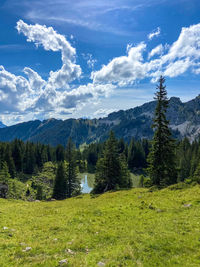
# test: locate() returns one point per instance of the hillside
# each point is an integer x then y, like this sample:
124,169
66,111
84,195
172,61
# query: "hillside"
184,121
2,125
124,228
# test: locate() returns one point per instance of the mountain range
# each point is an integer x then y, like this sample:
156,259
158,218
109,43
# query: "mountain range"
135,122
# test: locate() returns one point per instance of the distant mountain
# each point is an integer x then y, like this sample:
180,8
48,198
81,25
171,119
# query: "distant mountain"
2,125
184,121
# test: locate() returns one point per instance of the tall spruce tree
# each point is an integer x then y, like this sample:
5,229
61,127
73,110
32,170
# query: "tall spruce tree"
111,170
73,183
60,187
161,159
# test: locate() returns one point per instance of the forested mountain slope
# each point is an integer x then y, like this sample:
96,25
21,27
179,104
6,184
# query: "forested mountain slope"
184,121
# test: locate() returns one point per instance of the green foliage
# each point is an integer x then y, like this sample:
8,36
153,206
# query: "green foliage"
141,181
147,182
43,182
72,181
161,159
4,173
136,155
16,190
60,190
111,170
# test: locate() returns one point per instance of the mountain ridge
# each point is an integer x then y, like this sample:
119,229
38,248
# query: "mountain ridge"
2,125
135,122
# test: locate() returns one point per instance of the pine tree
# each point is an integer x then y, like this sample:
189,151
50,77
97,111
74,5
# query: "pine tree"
9,160
4,179
111,170
60,153
17,155
125,181
60,187
161,159
73,183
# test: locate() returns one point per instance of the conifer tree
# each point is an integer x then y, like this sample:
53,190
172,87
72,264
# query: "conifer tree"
9,160
60,153
17,155
4,178
59,190
111,171
161,159
73,183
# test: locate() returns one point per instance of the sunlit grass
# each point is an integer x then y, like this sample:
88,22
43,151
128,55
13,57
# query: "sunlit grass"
125,228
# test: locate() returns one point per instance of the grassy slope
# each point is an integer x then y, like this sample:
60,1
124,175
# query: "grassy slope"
124,228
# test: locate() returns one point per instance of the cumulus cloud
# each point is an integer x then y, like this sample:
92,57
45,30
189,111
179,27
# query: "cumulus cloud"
155,33
32,94
123,70
13,92
172,60
158,50
52,41
35,81
47,37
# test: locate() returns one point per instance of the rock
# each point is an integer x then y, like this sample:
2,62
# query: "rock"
37,200
63,262
69,251
151,207
159,210
101,264
27,249
187,205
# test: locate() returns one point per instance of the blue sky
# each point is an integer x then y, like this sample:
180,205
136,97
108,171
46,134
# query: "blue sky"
81,58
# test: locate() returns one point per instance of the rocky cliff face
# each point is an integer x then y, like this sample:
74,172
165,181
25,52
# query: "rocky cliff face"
136,122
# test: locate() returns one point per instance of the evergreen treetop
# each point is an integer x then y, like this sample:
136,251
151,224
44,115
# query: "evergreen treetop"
161,159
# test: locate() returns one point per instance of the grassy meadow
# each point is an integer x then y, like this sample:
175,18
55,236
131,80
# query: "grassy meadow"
125,228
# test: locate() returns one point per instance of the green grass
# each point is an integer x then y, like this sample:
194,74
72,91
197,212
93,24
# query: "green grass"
125,228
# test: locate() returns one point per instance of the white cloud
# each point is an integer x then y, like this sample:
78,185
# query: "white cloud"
158,50
48,38
33,95
35,81
13,90
177,68
51,40
155,33
171,61
187,45
103,112
123,70
90,60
